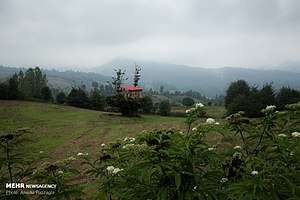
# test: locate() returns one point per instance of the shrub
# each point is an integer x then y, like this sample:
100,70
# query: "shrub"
188,101
164,108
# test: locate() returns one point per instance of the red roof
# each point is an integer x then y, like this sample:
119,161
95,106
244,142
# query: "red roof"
132,88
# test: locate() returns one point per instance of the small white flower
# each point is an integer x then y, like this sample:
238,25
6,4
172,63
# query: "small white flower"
103,144
292,153
223,180
60,172
296,134
210,121
195,187
71,158
181,132
194,129
217,123
199,105
210,149
110,169
282,135
129,139
254,173
41,152
237,147
117,170
269,109
82,154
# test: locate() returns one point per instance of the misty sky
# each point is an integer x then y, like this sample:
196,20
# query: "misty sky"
211,33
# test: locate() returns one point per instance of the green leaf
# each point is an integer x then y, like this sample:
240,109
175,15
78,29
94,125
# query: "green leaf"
177,180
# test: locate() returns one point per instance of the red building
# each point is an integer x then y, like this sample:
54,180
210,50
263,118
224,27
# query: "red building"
132,92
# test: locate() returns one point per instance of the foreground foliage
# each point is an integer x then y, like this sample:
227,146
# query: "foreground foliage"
262,161
175,164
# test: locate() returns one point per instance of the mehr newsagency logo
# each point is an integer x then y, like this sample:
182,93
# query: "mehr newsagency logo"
23,188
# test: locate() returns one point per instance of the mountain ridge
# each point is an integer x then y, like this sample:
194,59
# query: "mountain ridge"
208,82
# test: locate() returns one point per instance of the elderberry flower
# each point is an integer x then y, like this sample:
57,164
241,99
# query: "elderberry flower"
129,139
210,121
282,135
254,173
110,169
296,134
199,105
117,170
223,180
269,109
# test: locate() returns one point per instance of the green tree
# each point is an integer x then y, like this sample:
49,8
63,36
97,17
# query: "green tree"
165,108
78,98
146,104
236,96
118,80
188,101
285,96
46,94
98,101
137,75
61,98
127,107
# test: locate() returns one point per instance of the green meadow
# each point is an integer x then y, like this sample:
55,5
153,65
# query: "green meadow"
62,131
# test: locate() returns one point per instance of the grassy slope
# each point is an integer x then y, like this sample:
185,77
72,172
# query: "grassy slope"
63,131
55,127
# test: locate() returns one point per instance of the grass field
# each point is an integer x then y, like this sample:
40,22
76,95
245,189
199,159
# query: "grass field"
63,131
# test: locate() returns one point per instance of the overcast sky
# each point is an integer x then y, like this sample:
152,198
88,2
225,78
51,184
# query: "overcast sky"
206,33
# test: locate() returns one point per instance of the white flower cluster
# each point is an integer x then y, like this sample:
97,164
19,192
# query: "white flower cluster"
82,154
296,134
103,144
269,109
223,180
129,139
113,170
190,110
210,149
282,135
210,121
237,147
199,105
60,172
254,173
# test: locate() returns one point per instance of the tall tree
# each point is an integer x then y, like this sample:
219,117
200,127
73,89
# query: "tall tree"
118,80
137,75
236,96
285,96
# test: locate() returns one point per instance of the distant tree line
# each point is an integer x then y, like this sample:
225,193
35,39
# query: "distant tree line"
241,97
31,85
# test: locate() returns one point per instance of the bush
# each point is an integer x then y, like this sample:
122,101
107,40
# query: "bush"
127,107
78,98
61,98
164,108
173,164
188,101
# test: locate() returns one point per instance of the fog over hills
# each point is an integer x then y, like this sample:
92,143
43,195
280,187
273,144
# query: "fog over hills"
207,81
